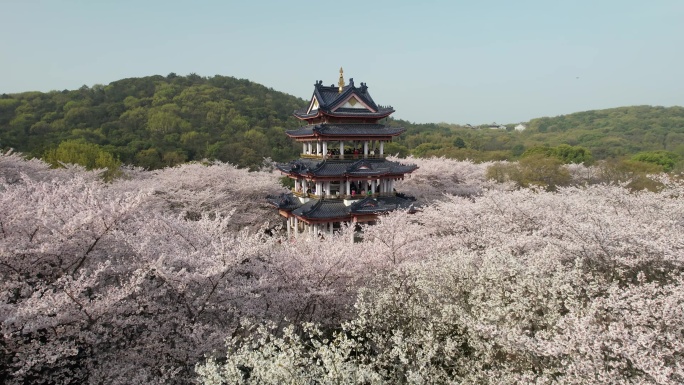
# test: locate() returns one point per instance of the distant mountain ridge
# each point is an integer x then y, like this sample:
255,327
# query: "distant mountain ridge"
159,121
610,133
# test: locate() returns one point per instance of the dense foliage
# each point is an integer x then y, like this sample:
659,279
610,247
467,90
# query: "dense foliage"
140,279
155,121
611,133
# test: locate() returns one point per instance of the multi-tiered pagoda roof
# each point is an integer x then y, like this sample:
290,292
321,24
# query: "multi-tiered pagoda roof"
342,175
343,101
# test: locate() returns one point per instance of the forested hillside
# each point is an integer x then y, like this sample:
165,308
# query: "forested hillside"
154,121
611,133
158,121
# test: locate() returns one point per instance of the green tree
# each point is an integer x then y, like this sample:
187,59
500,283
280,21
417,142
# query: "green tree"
394,148
503,172
634,173
517,150
149,159
533,170
565,153
196,143
459,143
89,155
166,119
573,154
544,171
665,159
173,158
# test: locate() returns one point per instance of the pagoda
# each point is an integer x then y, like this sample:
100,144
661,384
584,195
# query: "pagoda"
342,177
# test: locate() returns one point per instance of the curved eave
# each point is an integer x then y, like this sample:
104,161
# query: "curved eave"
360,114
300,135
285,167
381,205
284,202
343,137
303,115
346,175
352,132
326,170
342,218
366,173
374,132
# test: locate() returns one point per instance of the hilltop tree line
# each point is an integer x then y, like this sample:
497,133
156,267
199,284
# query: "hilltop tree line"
157,121
611,133
152,122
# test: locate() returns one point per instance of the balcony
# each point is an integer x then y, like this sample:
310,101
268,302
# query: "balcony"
340,196
342,157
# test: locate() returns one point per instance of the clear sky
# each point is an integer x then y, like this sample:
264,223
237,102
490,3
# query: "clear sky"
433,61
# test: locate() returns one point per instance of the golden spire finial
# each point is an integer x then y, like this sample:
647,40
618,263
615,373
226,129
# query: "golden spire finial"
341,82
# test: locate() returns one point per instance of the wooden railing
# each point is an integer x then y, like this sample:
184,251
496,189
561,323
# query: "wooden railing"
341,196
345,156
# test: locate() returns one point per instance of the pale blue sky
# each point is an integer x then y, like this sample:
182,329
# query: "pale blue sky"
433,61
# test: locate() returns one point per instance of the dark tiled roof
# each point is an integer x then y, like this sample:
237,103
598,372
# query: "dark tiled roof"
322,209
285,201
336,209
302,131
341,168
380,113
381,205
326,95
330,98
346,130
350,112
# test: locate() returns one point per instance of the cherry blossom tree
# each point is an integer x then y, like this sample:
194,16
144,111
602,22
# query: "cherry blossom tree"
478,317
143,278
578,286
135,280
436,177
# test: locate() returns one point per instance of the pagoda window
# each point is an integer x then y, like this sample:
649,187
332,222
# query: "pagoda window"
304,148
341,149
318,147
325,149
382,147
365,149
